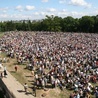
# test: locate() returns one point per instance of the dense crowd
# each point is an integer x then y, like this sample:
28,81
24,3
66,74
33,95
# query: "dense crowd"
66,60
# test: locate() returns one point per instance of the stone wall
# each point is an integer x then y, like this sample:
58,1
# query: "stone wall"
4,92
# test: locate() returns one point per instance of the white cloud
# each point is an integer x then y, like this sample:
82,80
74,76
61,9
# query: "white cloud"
79,3
36,13
23,16
51,9
4,10
62,14
95,12
28,7
45,0
43,13
64,10
3,15
19,8
39,15
78,14
62,1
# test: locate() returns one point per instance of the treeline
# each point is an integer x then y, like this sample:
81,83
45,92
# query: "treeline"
54,23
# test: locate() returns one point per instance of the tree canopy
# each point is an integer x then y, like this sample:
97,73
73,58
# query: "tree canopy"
54,23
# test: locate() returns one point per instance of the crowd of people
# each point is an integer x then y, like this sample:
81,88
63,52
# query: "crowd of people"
65,60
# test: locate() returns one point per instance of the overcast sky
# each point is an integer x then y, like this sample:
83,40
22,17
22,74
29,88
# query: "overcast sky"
38,9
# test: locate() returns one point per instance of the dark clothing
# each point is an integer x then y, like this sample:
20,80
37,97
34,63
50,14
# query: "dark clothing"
5,73
96,94
34,91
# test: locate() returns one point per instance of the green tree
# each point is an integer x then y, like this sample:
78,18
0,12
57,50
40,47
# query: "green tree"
96,23
10,26
86,24
68,24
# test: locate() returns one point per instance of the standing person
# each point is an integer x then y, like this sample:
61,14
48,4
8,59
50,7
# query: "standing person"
32,72
96,93
25,87
5,72
1,70
1,75
34,90
16,67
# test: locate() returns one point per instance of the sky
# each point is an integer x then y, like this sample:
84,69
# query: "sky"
38,9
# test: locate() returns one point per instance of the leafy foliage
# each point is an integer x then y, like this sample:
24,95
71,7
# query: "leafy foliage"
54,23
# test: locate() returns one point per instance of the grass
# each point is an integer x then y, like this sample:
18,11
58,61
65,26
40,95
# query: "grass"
1,34
20,75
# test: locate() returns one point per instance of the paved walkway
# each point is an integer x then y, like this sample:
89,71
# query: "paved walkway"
15,87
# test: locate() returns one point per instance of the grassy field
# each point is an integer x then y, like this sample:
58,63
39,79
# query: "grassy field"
1,34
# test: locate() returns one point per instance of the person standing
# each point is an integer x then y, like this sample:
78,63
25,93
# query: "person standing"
25,87
96,93
16,67
1,70
34,90
5,72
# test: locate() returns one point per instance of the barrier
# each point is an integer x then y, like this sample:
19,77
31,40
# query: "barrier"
4,91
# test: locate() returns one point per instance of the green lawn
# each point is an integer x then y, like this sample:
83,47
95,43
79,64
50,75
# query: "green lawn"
1,34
